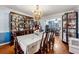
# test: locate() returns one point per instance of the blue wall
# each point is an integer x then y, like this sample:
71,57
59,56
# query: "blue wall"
5,37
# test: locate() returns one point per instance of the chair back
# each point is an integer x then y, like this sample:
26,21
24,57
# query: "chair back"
42,43
45,42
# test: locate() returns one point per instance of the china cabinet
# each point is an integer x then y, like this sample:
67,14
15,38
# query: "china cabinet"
20,24
69,26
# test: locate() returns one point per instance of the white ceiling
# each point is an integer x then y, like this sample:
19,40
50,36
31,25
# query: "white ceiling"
46,9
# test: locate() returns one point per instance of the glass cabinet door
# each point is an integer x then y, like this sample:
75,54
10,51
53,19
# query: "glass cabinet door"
64,27
72,25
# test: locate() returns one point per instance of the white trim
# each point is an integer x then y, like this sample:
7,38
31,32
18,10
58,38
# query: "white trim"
4,43
4,31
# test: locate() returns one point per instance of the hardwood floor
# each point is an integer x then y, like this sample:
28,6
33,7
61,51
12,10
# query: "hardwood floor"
59,48
6,49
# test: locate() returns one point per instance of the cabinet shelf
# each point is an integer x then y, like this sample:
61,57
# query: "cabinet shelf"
18,22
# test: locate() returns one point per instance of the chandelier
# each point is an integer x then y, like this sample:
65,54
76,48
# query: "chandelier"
37,13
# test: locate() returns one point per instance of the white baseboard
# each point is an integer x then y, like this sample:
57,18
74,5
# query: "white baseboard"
4,43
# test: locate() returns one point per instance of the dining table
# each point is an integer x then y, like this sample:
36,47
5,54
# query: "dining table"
30,43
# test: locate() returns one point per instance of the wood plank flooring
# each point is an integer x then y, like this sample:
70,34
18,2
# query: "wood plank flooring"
59,48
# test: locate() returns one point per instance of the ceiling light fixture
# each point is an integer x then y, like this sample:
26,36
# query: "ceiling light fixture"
37,13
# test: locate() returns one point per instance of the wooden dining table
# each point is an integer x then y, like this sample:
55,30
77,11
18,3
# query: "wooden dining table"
30,43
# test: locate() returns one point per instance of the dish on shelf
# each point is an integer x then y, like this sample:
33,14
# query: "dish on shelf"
72,15
72,33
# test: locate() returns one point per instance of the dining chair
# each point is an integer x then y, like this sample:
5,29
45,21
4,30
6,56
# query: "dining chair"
42,43
14,42
51,42
13,37
45,43
18,49
48,41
